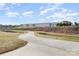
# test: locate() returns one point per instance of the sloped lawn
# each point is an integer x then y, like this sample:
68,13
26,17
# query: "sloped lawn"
9,41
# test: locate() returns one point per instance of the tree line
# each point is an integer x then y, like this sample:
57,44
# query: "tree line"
67,23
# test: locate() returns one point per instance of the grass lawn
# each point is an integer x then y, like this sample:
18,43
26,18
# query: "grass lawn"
68,37
16,31
9,41
19,31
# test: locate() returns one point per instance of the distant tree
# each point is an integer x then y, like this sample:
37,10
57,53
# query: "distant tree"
64,23
50,26
33,25
76,23
58,24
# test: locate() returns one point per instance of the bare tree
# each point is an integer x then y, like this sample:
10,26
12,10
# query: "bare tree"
50,26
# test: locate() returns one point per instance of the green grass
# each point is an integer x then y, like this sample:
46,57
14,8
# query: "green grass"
68,37
9,41
19,31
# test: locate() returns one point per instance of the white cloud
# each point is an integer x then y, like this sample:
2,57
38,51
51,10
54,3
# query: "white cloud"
7,9
12,14
58,4
44,11
57,13
51,8
27,13
16,4
63,16
41,7
2,6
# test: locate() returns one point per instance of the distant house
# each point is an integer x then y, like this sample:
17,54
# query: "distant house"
37,25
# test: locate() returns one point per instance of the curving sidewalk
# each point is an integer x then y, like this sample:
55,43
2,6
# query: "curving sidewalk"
39,46
65,45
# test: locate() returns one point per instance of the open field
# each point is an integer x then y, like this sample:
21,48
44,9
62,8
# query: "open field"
9,41
74,38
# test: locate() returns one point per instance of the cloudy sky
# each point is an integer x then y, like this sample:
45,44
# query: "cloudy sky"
38,13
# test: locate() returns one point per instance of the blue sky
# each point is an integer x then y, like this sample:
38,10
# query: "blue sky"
23,13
